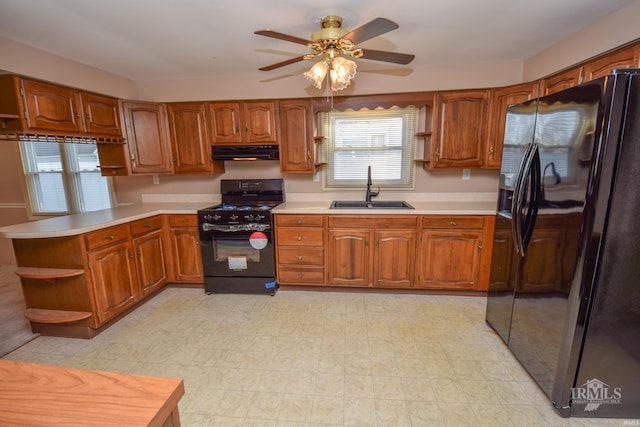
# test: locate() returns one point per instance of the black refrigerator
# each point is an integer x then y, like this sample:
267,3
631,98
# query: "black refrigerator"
564,288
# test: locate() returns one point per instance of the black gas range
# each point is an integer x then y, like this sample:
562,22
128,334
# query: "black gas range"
236,237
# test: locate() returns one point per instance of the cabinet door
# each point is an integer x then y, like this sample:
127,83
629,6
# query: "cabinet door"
225,123
297,151
51,107
260,123
187,259
500,100
394,258
114,279
625,58
349,257
101,114
562,81
459,129
150,266
450,259
147,137
190,140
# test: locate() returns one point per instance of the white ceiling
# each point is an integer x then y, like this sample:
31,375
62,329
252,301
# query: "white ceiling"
183,39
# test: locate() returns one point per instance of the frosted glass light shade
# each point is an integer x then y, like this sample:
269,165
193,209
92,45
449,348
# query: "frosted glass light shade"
317,73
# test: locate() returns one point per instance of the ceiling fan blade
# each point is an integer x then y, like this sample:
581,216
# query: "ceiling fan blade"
381,55
370,30
282,36
282,64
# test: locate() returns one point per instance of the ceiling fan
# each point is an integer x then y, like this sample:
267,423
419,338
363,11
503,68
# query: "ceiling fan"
331,41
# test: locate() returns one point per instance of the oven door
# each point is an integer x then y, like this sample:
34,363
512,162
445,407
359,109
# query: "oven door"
230,251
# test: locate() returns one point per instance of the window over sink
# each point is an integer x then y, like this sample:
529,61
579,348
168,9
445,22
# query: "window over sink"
381,138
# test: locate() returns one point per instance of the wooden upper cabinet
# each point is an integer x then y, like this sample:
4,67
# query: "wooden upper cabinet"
224,119
190,144
101,114
624,58
50,107
297,148
147,136
459,129
500,100
561,81
234,123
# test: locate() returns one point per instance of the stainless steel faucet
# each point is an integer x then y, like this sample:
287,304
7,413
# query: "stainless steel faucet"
370,193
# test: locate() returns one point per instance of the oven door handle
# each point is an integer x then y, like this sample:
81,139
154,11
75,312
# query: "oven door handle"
232,228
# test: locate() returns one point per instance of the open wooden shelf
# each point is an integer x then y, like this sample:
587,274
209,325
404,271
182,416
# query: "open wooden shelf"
41,315
47,273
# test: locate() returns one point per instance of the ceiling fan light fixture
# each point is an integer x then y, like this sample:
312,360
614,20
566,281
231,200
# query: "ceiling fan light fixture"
342,71
317,73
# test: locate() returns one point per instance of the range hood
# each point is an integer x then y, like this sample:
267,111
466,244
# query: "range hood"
245,152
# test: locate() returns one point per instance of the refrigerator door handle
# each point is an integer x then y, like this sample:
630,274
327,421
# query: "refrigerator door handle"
516,203
534,198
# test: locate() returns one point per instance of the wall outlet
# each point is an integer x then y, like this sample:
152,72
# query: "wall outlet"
466,174
316,176
156,179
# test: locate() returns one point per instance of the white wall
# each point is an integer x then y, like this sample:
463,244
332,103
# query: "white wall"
615,30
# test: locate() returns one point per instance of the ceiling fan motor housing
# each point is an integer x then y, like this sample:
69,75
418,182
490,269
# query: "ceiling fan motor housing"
331,29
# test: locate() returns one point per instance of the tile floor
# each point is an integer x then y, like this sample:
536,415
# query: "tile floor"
318,359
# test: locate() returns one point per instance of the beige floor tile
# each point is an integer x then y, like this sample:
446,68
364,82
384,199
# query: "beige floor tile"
318,359
360,412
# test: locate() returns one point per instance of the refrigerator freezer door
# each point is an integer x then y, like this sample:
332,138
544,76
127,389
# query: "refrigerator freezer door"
564,135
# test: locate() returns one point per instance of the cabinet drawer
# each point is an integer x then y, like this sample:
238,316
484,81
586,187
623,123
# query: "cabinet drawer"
106,236
299,236
301,275
300,220
145,225
309,256
453,222
396,222
183,220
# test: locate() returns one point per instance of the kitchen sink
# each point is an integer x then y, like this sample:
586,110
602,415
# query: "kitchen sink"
378,204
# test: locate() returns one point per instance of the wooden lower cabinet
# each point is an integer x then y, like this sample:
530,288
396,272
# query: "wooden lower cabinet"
451,254
184,243
149,252
300,249
373,250
114,278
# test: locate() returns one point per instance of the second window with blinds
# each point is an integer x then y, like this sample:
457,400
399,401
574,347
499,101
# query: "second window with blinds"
381,138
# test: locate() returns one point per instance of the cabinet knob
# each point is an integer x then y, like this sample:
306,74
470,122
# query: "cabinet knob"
300,274
298,221
480,246
149,225
453,223
299,238
111,236
300,257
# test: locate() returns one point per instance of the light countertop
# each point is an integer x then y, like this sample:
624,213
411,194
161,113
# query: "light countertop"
420,208
71,225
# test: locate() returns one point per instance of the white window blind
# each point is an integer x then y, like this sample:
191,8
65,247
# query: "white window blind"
382,138
64,178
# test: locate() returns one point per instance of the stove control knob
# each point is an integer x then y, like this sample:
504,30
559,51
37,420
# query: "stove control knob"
259,217
214,217
248,217
233,217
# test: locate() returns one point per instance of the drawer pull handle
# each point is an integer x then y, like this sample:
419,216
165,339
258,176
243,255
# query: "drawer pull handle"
453,223
299,238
